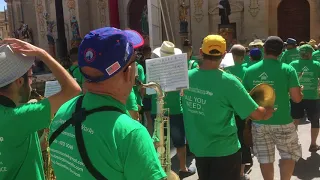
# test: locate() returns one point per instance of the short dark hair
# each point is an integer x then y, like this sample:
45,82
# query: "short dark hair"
210,57
6,87
273,46
146,49
272,52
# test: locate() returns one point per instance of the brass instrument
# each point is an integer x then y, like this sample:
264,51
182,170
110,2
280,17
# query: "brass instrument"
264,95
162,123
44,144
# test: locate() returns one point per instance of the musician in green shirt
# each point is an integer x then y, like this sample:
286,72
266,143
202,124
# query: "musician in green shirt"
310,103
118,147
292,52
238,53
20,152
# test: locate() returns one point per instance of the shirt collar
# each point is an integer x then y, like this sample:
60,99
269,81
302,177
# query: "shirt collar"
5,101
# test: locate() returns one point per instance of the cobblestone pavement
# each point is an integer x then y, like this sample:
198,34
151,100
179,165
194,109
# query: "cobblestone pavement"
308,167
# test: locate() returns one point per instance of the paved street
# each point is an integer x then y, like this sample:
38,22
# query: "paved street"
308,167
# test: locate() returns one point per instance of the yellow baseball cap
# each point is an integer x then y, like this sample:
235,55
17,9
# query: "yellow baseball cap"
214,42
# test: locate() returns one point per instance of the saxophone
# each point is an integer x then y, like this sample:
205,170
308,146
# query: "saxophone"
162,139
45,150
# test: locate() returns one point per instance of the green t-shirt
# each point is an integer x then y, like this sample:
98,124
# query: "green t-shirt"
171,101
131,103
192,64
74,70
141,77
309,79
20,151
208,111
250,63
316,55
238,70
290,55
119,147
281,77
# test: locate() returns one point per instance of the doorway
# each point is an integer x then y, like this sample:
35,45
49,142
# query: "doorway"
136,15
294,20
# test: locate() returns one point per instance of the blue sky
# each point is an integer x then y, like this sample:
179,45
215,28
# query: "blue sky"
2,4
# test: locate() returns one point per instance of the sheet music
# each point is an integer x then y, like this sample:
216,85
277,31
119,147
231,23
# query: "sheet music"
170,72
227,61
51,88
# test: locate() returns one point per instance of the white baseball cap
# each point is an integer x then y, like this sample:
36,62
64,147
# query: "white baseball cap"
12,65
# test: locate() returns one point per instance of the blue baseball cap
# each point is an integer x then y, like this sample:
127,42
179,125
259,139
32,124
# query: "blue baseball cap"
108,50
255,52
291,41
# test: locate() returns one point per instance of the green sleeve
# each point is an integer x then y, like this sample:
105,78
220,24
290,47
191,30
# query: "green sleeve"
293,78
20,122
240,99
139,157
132,102
195,65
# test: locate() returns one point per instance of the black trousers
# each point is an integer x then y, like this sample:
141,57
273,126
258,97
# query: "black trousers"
219,168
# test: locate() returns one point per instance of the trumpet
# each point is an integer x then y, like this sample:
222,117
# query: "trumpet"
44,138
162,123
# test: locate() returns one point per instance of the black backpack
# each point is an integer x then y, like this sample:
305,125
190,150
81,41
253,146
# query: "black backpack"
78,117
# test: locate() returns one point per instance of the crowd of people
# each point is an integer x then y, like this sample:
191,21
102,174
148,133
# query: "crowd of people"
101,122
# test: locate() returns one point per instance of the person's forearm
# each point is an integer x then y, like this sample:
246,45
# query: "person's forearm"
67,83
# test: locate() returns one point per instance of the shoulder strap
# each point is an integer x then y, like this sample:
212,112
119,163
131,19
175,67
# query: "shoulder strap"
78,117
71,71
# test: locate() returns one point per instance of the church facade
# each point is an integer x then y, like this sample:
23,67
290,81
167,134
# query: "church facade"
253,19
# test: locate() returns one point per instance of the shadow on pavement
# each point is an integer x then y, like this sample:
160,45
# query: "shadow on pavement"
308,169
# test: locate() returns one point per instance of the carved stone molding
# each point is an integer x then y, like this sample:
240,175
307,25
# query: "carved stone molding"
102,7
198,12
235,7
254,8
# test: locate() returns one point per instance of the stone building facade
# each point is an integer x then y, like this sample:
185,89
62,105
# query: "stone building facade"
4,26
254,18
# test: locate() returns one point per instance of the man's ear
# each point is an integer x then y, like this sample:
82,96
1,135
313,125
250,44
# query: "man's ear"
200,51
19,82
128,73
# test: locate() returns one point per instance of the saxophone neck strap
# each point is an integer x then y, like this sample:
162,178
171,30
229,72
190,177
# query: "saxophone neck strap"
78,117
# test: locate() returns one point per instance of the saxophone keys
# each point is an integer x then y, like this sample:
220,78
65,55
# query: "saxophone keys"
161,150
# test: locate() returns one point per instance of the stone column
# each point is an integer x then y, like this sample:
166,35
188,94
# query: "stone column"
10,18
40,7
199,22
